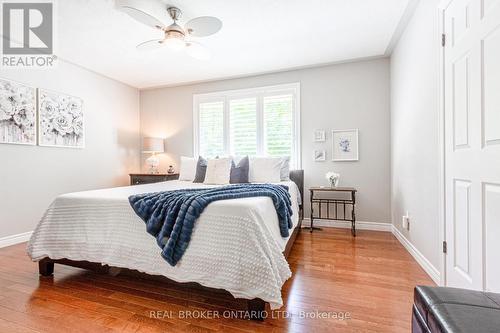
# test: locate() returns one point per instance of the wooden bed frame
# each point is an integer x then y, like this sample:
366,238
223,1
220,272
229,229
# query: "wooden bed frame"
256,307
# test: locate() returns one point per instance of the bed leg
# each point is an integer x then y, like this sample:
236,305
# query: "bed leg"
257,309
46,267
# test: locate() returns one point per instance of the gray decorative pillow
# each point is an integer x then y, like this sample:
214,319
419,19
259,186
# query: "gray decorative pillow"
201,170
239,173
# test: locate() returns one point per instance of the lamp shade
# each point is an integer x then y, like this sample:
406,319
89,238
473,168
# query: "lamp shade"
153,145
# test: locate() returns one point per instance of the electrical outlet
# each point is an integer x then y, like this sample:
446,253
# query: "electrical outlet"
405,223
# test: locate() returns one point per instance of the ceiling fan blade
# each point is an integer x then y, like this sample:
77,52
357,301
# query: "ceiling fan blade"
150,45
146,12
203,26
197,51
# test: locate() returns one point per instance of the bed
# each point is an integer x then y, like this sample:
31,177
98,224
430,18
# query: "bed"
236,244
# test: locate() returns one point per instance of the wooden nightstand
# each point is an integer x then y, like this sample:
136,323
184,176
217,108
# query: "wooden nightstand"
148,178
328,208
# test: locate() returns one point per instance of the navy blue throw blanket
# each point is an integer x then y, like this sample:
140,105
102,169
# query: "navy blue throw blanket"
170,215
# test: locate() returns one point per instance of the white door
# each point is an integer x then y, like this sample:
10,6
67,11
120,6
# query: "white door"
472,143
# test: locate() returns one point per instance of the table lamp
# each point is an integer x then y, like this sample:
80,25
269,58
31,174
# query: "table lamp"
153,146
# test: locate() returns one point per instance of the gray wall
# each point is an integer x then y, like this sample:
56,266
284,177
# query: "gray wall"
415,121
31,176
344,96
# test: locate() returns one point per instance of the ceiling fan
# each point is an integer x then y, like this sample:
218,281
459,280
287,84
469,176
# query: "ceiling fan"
175,36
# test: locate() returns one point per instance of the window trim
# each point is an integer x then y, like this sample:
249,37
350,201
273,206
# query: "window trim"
259,93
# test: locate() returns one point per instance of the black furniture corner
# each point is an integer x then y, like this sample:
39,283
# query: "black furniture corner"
443,309
148,178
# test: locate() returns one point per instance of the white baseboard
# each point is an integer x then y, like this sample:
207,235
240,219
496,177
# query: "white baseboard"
15,239
361,225
432,271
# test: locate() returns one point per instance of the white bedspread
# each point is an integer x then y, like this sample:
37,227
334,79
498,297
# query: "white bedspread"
236,244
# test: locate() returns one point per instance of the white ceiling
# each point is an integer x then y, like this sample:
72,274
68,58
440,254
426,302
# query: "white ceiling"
257,36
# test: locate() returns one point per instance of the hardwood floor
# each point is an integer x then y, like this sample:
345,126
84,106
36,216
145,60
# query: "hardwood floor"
369,280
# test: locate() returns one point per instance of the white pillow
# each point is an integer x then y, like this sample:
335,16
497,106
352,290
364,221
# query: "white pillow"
187,171
265,169
218,171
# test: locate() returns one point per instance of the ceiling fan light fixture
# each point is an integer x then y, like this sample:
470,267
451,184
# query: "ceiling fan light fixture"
174,35
174,43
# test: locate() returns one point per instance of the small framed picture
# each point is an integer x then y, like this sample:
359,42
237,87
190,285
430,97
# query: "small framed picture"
345,145
319,136
319,155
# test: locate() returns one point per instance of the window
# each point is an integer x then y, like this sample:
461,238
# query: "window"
261,121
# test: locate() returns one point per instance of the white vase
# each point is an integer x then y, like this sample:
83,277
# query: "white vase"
334,182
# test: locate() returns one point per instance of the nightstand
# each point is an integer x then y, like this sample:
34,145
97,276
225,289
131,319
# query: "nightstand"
333,208
148,178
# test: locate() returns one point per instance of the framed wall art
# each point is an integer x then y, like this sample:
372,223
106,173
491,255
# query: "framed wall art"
17,113
345,145
319,155
60,120
319,136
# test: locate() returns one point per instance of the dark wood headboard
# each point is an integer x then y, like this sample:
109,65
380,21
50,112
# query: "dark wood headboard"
297,176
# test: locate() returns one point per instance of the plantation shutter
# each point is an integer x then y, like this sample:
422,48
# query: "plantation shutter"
261,121
278,125
211,129
243,126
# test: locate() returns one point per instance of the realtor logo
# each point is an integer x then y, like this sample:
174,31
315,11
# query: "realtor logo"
28,34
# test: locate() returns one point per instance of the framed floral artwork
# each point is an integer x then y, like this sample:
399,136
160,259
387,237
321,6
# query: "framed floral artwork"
345,145
60,120
17,113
